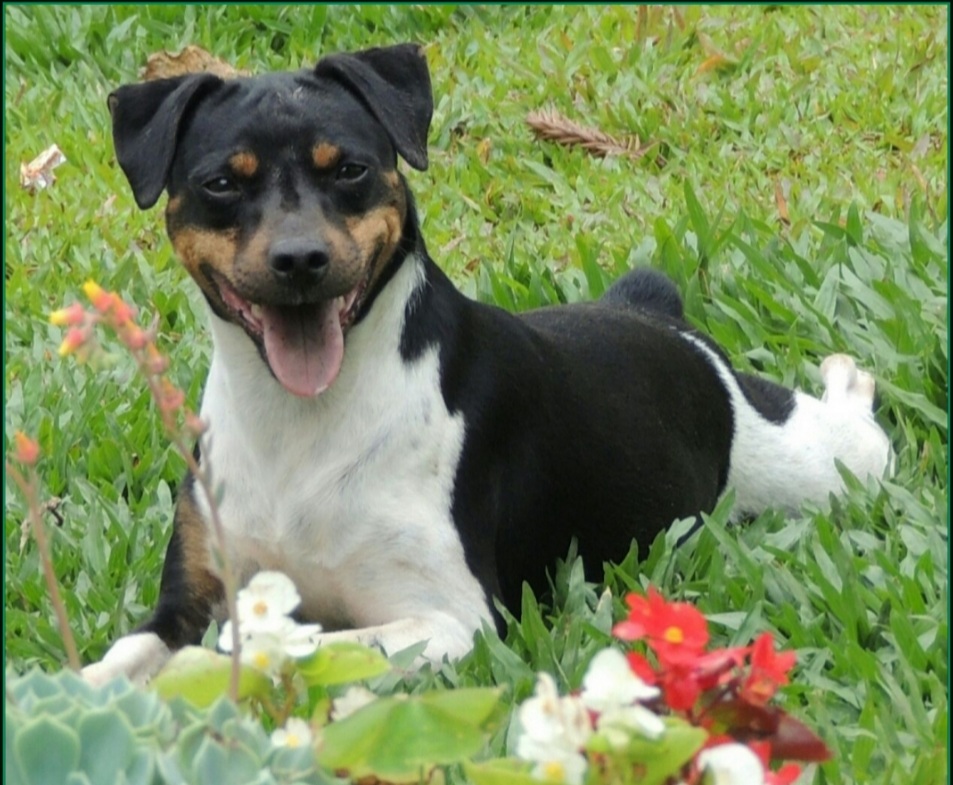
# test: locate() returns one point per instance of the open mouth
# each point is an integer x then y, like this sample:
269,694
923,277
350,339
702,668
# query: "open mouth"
303,344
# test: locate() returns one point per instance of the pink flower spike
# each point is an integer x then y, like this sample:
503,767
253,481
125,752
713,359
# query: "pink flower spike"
171,399
195,424
134,337
75,338
122,312
27,450
156,363
71,316
101,299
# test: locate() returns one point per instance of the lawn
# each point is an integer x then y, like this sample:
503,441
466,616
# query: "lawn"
792,179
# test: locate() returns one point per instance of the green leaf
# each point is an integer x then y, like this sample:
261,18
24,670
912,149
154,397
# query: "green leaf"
504,771
213,762
202,676
339,663
699,222
663,758
855,230
47,752
397,738
107,744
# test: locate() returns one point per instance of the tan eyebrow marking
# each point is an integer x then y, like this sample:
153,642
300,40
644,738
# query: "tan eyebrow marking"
325,155
244,164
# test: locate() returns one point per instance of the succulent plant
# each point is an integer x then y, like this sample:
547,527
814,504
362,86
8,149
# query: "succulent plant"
58,730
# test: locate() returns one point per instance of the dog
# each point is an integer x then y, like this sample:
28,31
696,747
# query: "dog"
403,453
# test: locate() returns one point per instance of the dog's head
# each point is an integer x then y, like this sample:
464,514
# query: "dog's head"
285,203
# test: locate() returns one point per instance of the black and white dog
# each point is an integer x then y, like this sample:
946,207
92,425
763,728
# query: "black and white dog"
403,453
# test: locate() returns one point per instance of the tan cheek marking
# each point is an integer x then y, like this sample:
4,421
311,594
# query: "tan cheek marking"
341,251
174,205
392,179
197,247
243,164
325,155
377,234
203,586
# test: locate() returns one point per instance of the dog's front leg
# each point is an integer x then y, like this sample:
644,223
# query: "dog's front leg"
187,595
445,636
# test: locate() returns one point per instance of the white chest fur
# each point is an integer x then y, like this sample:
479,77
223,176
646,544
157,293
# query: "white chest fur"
348,493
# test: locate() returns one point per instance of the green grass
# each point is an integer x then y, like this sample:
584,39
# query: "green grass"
840,111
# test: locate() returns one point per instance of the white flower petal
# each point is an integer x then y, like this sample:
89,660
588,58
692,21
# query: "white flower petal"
551,725
618,724
300,640
731,764
569,768
295,733
268,596
610,682
264,652
225,638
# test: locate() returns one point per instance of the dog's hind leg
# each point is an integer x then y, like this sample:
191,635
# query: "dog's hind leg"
647,289
786,444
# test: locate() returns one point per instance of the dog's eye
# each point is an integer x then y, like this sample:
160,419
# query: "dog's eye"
351,173
220,187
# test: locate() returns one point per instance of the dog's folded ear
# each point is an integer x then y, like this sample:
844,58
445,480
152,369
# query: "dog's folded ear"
146,119
393,83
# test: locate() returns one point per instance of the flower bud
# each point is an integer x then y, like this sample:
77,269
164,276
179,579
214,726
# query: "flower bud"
27,450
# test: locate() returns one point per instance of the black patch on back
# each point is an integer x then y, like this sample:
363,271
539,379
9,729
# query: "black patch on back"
772,401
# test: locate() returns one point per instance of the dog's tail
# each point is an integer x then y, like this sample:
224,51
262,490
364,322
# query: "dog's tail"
647,289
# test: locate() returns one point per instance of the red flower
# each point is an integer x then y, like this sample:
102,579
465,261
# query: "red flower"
787,774
642,668
676,631
768,671
680,687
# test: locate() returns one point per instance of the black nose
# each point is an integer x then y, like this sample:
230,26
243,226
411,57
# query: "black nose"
304,260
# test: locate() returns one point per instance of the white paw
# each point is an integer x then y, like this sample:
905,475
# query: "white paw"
138,657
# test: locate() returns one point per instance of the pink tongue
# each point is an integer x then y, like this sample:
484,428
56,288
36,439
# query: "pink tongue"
304,346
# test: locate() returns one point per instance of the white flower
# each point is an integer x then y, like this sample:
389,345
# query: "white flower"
268,635
352,700
618,724
569,767
295,640
262,651
268,598
610,683
612,690
731,764
555,729
296,733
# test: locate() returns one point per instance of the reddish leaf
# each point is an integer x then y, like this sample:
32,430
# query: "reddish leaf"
793,740
789,738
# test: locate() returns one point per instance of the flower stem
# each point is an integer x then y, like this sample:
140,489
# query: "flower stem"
29,489
201,475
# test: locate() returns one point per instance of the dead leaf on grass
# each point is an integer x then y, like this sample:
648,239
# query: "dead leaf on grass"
554,127
38,174
191,60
